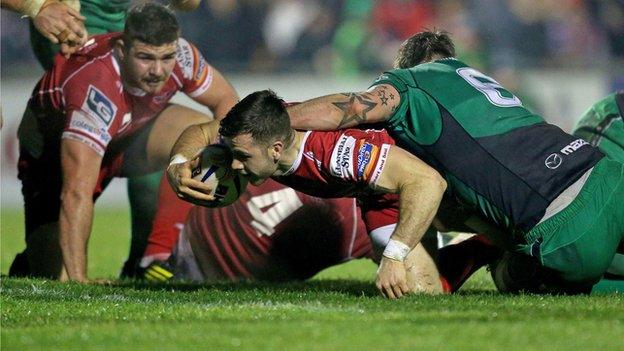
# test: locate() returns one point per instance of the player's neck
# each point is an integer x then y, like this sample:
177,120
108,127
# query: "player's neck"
291,153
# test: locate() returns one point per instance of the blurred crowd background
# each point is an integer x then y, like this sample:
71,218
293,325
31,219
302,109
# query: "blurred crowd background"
348,37
559,56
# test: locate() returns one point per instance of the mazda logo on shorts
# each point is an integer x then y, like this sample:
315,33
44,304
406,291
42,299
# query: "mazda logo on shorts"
553,161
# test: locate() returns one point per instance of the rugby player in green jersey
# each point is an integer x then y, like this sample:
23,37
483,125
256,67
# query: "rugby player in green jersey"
553,196
603,126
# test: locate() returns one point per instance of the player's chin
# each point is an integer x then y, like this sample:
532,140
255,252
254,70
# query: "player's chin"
153,87
255,180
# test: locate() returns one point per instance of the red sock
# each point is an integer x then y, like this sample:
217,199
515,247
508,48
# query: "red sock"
168,222
456,263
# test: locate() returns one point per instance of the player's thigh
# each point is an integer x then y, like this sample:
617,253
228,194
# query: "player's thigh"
171,122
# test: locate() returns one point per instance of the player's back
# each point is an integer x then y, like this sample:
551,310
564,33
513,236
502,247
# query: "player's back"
273,226
495,154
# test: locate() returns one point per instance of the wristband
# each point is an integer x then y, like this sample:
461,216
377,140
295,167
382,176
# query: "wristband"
33,7
396,250
177,159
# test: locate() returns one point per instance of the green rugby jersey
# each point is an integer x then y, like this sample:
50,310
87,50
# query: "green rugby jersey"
603,126
102,16
497,156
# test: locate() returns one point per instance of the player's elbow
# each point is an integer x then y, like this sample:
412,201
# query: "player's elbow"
435,182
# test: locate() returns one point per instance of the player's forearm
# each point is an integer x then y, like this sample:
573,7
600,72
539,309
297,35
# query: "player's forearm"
29,8
75,227
418,203
13,5
329,112
224,106
194,139
345,110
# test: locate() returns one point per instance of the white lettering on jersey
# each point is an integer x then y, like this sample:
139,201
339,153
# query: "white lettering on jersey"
184,56
194,68
89,130
282,204
553,161
381,164
89,142
98,105
573,146
341,163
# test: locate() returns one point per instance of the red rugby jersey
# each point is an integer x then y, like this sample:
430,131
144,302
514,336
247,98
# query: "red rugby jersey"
89,82
346,163
273,223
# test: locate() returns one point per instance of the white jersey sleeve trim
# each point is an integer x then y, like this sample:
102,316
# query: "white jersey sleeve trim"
381,164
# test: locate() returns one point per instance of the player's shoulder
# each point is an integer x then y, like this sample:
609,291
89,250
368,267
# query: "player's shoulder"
188,58
98,45
94,63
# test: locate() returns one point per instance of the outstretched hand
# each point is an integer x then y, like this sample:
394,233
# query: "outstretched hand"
62,25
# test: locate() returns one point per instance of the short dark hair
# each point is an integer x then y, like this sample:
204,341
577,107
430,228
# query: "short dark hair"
422,47
261,114
152,24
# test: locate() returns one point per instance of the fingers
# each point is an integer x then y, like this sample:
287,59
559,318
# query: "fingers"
63,35
75,14
194,195
50,37
68,49
77,29
392,279
393,290
187,188
59,23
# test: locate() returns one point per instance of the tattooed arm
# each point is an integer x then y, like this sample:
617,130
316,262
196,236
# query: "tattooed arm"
345,110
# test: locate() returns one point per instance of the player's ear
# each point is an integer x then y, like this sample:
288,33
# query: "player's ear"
276,150
120,46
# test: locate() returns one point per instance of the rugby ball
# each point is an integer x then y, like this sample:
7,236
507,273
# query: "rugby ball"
226,183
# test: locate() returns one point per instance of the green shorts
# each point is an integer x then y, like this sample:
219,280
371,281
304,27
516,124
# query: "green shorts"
580,241
603,126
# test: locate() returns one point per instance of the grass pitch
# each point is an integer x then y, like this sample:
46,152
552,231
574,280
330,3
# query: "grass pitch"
338,310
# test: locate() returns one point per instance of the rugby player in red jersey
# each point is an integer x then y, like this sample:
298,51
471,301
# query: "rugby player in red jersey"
271,233
102,113
348,163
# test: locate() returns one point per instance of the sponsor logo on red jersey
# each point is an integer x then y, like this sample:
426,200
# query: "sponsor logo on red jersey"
98,105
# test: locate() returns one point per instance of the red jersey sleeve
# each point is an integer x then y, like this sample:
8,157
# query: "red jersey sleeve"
360,155
196,72
93,106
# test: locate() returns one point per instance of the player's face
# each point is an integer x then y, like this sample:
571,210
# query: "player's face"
148,67
251,159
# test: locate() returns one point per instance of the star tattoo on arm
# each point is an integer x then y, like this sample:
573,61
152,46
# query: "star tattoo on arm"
382,96
350,108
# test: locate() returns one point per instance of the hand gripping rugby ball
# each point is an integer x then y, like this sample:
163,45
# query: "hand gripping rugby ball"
226,183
